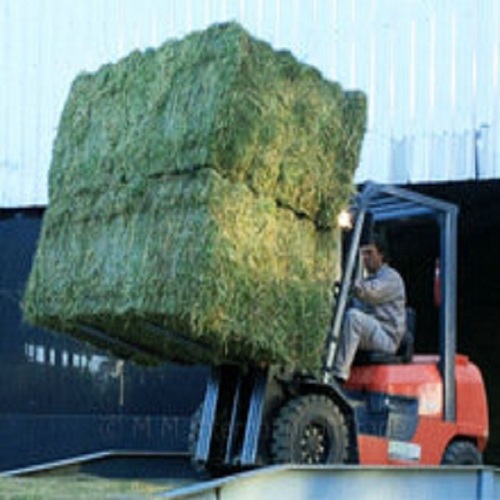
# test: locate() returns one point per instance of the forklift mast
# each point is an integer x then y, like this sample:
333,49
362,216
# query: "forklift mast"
381,203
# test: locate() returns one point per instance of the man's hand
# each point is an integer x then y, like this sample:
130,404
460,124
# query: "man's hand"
356,288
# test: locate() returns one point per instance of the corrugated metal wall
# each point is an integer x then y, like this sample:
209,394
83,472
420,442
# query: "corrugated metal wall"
436,96
430,68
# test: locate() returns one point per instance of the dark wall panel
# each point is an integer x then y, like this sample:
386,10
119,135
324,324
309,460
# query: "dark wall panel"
478,293
59,397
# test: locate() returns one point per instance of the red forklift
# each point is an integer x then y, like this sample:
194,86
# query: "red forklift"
396,409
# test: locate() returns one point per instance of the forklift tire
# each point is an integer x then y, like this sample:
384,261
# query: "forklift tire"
462,453
310,429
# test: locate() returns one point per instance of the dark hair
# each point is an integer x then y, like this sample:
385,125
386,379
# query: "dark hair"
380,244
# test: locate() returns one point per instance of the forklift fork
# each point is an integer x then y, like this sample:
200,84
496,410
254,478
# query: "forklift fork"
231,417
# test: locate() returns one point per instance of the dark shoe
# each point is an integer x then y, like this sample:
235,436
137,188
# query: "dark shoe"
338,383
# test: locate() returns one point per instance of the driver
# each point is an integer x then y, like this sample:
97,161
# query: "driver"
377,320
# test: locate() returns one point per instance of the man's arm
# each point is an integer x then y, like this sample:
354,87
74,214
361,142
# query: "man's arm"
384,287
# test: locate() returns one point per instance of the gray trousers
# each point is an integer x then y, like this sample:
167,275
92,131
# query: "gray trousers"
359,331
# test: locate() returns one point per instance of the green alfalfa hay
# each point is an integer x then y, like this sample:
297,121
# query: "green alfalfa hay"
197,254
217,98
271,128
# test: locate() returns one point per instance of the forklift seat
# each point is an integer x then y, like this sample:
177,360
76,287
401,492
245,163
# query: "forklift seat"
402,355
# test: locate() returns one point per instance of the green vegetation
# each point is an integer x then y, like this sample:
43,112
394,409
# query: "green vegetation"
195,187
81,487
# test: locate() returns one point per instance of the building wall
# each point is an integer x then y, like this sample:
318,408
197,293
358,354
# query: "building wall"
430,69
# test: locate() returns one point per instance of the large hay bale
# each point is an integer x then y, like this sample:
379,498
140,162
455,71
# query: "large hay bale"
217,98
193,189
199,255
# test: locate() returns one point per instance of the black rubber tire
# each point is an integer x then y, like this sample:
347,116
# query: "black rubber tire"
310,429
462,453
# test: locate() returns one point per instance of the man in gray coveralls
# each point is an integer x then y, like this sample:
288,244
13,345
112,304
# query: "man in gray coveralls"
377,320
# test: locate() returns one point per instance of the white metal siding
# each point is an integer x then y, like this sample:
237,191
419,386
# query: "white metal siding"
433,90
430,69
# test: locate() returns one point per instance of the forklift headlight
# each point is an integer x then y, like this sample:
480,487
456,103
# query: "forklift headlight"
344,219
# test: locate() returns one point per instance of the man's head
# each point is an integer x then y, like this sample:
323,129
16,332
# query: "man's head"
373,254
